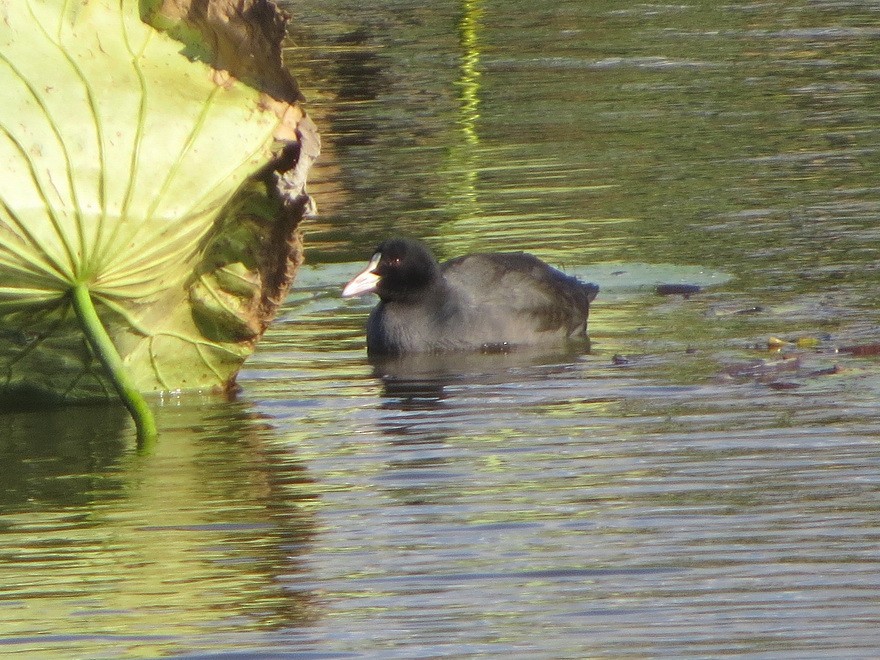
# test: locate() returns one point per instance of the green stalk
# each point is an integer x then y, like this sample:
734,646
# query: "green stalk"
103,347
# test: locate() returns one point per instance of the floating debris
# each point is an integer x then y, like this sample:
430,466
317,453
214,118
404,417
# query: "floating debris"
861,350
686,290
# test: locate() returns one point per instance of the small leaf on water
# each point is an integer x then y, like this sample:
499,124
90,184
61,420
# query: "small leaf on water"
830,371
763,368
861,350
783,385
686,290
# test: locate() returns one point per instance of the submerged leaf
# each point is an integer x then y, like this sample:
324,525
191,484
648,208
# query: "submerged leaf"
165,185
663,279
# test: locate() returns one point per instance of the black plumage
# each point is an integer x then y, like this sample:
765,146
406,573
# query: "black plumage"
484,301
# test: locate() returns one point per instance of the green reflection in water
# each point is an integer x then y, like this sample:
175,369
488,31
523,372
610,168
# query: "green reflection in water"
469,80
462,167
108,549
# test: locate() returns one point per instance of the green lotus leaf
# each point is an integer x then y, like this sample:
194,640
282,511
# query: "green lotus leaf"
156,175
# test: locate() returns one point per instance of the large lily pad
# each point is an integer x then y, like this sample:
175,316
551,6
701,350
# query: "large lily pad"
163,171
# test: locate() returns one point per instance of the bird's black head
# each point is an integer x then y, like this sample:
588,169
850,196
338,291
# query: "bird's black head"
401,269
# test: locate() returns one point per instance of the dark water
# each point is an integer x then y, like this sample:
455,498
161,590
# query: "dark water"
683,489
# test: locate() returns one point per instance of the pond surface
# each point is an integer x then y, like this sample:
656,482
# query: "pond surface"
690,486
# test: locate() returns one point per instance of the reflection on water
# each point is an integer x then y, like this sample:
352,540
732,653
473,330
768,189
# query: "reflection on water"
685,487
427,376
109,552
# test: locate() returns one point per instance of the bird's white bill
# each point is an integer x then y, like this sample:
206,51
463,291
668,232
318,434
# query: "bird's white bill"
366,282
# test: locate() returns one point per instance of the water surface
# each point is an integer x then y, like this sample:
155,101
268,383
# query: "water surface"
687,487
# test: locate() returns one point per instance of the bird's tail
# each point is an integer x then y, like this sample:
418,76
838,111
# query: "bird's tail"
592,290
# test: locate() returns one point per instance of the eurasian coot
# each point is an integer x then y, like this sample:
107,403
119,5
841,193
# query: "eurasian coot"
488,301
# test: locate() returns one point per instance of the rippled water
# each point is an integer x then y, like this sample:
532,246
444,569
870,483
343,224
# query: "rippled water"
687,487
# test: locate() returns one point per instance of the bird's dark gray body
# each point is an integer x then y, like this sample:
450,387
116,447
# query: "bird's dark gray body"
476,302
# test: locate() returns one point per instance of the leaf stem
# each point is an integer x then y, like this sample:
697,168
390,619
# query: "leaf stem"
102,345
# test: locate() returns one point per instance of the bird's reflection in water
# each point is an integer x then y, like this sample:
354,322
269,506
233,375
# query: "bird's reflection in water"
423,381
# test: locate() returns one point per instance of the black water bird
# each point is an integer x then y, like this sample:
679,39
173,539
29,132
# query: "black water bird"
479,302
